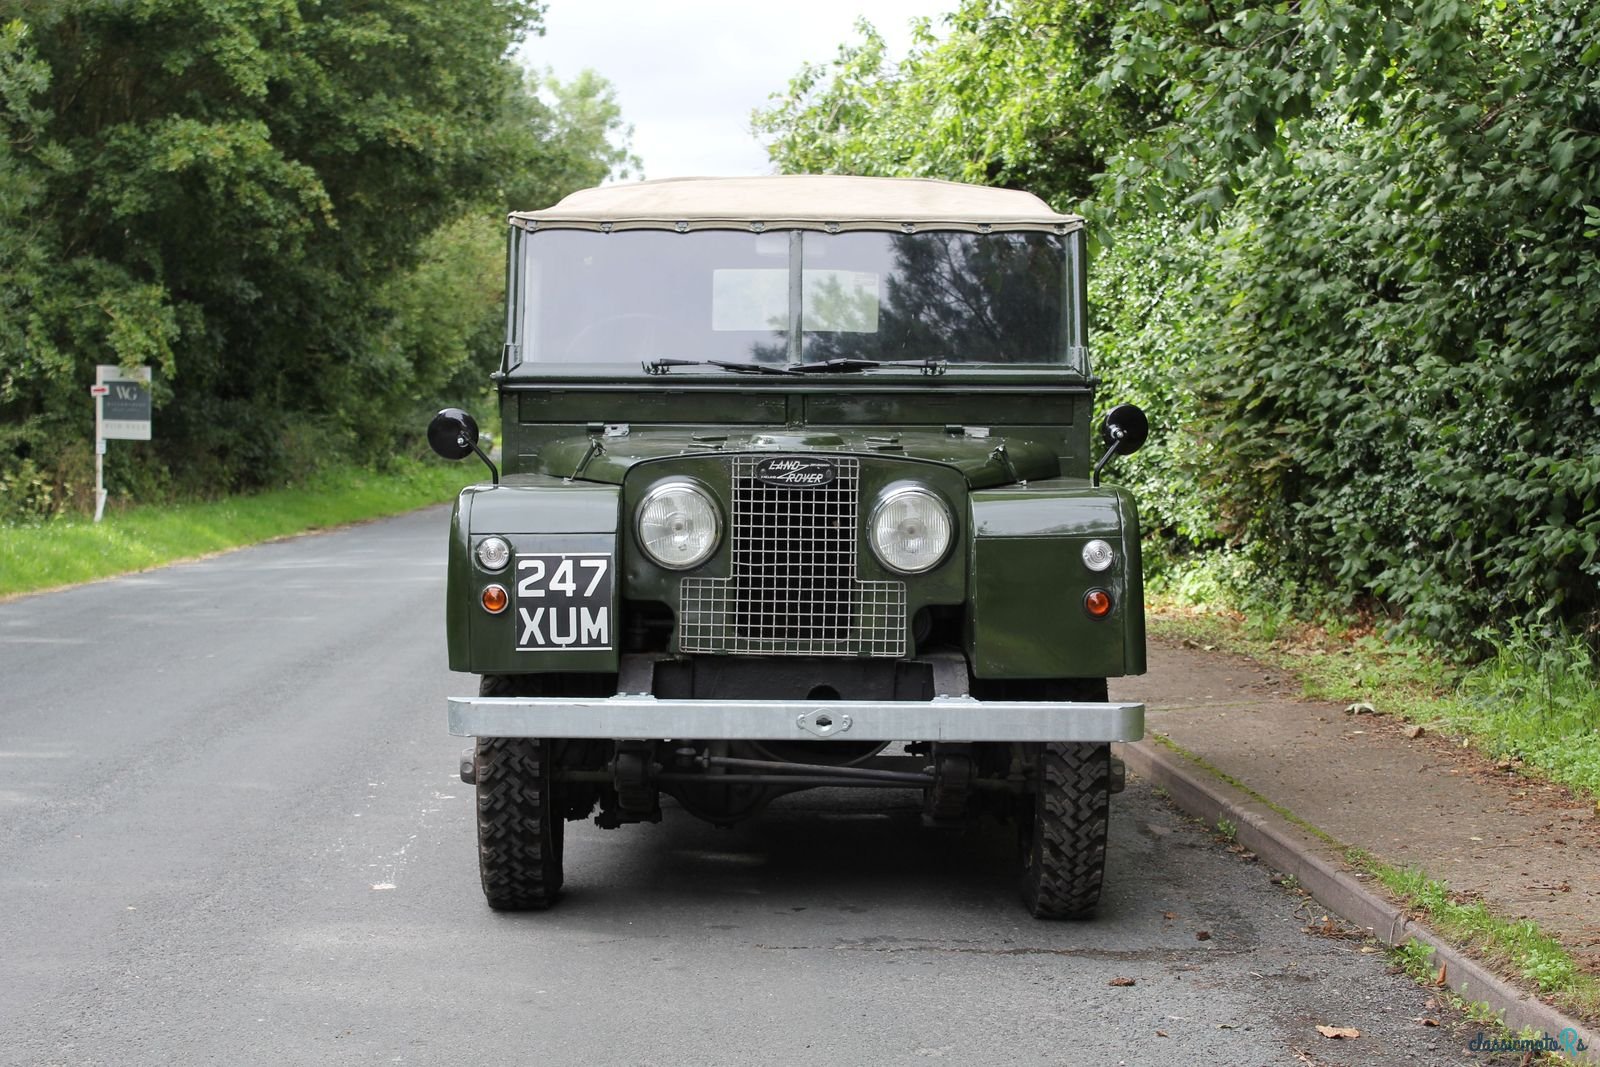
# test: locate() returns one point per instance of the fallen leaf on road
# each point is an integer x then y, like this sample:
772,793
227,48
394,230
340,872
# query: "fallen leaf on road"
1202,935
1161,1033
1428,1022
1121,981
1438,979
1414,732
1169,915
1361,707
1338,1032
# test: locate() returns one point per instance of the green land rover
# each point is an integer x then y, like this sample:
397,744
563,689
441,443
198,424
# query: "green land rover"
800,491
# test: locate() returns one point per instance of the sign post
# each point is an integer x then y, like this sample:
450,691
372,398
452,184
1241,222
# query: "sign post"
121,412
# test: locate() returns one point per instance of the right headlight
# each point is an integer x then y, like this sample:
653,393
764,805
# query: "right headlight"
678,525
910,530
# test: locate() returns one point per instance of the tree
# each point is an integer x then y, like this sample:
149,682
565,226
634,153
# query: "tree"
1005,96
229,191
1347,249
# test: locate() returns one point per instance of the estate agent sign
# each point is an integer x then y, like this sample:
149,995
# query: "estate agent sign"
121,412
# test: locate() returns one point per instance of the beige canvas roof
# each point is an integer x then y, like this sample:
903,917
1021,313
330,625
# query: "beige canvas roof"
809,201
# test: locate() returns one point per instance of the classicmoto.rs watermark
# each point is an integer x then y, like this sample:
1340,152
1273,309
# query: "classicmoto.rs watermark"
1566,1041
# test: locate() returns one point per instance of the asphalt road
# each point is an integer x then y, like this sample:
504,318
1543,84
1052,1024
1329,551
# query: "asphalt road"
231,832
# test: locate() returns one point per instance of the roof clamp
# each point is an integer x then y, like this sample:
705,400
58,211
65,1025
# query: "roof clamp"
757,227
908,227
985,228
605,227
681,227
831,227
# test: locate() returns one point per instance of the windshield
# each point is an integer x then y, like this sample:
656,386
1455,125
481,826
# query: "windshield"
793,296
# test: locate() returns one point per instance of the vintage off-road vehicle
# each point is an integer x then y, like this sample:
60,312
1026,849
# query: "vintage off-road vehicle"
797,469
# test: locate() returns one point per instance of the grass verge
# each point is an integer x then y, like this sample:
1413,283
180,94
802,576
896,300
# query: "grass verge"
1532,706
1519,946
1516,947
61,552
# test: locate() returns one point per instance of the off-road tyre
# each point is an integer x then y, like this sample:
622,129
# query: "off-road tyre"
1063,844
519,818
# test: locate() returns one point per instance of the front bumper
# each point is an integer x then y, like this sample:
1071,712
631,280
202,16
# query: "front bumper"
649,718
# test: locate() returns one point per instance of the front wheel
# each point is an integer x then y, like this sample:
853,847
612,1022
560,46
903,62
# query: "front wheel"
519,824
1063,843
519,819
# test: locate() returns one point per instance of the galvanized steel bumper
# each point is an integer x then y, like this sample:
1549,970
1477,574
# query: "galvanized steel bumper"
649,718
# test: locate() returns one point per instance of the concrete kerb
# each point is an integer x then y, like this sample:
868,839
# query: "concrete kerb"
1285,847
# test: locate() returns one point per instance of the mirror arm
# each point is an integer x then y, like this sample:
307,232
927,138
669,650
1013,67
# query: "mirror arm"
494,472
1116,435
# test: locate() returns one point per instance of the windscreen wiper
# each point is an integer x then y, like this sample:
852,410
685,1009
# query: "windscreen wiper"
843,364
927,366
661,366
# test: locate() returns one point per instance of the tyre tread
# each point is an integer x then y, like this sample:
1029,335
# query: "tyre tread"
519,820
1069,853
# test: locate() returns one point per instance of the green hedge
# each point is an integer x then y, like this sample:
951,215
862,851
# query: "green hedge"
1404,396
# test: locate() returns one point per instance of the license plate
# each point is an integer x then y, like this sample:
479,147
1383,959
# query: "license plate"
564,601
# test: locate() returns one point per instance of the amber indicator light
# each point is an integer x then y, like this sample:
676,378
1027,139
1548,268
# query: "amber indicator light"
495,599
1097,602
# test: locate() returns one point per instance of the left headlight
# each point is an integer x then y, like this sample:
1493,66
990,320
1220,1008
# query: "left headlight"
910,530
678,525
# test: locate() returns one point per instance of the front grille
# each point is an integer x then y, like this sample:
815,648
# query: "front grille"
793,590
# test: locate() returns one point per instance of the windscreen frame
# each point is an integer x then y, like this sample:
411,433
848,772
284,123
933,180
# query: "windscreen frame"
533,254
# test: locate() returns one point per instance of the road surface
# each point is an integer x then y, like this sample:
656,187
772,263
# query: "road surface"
231,831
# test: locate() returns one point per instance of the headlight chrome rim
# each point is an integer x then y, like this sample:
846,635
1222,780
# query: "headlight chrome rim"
655,495
490,549
898,495
1098,555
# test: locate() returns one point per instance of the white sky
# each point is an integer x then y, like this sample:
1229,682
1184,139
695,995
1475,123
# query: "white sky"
689,72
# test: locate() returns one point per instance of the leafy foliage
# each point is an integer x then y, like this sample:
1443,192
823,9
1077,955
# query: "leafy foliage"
1347,259
1410,376
998,97
267,202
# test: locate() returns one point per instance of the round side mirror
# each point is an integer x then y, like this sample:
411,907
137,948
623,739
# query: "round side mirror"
452,433
1126,427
